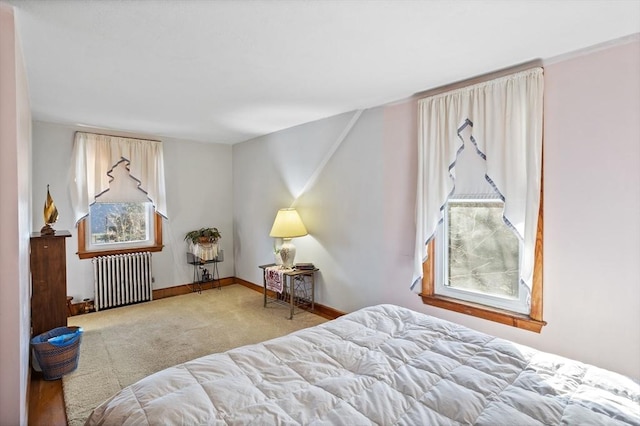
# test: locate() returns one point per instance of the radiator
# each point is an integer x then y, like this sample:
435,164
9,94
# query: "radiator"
122,279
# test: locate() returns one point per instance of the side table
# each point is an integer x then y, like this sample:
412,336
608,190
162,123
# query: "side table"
293,285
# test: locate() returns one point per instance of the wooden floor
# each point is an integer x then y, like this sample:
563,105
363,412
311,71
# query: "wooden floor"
46,402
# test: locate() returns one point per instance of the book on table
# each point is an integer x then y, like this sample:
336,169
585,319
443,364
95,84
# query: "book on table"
304,266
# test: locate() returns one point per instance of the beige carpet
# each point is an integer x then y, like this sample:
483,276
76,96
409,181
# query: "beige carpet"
122,345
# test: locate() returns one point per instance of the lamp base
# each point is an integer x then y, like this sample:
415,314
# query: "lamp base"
287,253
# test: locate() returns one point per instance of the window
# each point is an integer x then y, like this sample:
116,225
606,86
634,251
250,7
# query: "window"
119,225
477,255
152,242
121,220
479,200
479,308
119,194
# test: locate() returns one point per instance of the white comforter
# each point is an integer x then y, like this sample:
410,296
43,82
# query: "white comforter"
381,365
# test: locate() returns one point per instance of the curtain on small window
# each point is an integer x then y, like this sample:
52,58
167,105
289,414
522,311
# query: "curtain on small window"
94,158
502,120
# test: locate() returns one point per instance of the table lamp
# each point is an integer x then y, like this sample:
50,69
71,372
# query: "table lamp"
288,225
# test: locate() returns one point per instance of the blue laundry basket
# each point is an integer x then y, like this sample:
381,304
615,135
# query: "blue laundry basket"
57,351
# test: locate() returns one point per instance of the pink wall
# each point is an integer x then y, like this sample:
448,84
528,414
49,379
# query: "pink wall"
591,211
15,136
592,206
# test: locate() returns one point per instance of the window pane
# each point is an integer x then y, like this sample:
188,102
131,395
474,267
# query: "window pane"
119,222
483,251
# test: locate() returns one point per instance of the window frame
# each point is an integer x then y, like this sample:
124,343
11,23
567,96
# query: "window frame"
85,253
532,322
442,242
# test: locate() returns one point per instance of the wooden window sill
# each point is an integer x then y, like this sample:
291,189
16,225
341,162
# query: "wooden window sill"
504,317
92,254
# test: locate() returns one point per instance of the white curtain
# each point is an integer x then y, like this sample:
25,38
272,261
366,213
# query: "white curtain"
94,158
502,120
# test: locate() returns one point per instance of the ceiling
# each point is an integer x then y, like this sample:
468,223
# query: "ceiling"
228,71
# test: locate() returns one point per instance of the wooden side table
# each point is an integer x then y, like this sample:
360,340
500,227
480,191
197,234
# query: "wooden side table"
292,284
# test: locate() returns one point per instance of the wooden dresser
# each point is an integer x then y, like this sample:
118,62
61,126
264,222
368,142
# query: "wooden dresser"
48,281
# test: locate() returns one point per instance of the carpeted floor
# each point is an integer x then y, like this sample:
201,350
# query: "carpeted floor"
122,345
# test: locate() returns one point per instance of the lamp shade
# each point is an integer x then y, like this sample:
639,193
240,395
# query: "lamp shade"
288,225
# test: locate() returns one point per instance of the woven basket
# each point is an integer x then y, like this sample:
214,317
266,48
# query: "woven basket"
60,358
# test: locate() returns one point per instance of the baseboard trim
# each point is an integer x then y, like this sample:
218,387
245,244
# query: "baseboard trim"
249,284
321,310
160,293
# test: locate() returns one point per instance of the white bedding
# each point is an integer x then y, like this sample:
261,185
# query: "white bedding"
382,365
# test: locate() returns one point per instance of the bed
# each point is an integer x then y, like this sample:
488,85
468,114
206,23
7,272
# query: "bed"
382,365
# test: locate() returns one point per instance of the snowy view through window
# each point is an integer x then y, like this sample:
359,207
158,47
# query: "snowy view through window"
483,251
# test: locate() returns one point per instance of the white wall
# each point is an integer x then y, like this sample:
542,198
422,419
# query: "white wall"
15,149
360,212
269,173
198,185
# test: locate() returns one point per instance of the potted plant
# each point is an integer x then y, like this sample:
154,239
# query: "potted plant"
203,236
203,243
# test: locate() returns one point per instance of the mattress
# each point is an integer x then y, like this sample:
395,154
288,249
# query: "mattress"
381,365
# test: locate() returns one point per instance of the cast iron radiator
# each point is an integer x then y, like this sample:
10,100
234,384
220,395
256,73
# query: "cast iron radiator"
122,279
